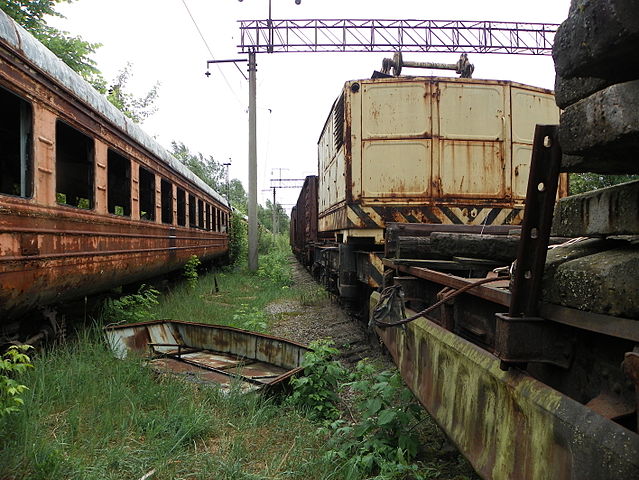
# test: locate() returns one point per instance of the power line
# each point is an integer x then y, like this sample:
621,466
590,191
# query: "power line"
213,56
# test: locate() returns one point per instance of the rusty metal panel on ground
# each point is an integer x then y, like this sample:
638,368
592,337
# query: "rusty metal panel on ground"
210,353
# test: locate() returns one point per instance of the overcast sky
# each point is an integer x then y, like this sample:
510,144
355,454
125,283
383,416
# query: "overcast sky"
294,90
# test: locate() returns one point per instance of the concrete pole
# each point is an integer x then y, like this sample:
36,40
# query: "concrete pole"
252,198
274,213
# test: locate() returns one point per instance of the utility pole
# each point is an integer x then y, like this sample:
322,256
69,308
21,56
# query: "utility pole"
228,184
252,200
275,220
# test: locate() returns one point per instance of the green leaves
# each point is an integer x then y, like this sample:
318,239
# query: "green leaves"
13,363
190,271
316,391
131,308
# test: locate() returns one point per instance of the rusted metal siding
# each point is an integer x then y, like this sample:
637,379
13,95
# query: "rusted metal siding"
443,143
51,252
509,425
304,220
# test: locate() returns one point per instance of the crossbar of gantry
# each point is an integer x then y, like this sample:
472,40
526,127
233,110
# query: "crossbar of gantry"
438,36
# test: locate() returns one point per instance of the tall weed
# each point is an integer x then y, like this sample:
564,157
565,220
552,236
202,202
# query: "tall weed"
131,308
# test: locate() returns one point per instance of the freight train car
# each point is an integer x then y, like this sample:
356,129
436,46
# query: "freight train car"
451,151
528,360
87,200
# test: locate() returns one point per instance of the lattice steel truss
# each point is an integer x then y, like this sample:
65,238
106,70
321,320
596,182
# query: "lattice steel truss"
452,36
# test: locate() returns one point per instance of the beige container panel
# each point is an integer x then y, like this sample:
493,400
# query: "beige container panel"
471,112
396,168
528,109
521,169
340,177
472,168
395,110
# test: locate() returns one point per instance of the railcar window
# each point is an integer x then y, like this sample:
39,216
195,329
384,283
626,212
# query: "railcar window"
73,167
167,201
192,214
147,195
119,184
208,217
181,207
200,213
15,145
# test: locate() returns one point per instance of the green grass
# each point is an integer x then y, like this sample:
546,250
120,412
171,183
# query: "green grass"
90,416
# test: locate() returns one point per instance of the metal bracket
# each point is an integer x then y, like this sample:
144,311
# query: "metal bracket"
531,339
521,336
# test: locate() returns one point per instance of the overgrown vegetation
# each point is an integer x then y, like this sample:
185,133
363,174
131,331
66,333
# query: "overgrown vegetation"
137,307
585,182
274,261
13,363
238,238
379,438
190,271
382,440
315,391
88,415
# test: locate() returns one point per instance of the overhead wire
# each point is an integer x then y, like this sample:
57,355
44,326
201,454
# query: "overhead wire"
206,44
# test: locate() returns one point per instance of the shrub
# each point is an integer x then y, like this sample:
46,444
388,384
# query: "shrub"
131,308
12,363
190,271
316,391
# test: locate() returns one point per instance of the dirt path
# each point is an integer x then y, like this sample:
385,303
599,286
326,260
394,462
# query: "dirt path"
317,316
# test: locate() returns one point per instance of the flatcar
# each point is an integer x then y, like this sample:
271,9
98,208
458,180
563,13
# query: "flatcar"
88,201
435,206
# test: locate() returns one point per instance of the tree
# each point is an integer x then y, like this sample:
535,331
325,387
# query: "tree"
208,169
585,182
137,109
238,196
76,53
72,50
265,216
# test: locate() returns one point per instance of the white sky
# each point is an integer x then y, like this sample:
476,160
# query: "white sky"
294,90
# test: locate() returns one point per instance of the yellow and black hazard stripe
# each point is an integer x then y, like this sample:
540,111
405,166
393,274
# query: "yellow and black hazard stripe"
376,217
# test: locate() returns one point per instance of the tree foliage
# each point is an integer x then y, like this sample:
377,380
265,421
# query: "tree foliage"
265,216
72,50
76,53
208,169
137,109
585,182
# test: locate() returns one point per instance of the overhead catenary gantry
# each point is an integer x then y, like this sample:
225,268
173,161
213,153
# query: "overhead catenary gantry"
436,36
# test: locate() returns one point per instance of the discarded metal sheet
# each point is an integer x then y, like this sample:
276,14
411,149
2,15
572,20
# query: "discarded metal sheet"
214,354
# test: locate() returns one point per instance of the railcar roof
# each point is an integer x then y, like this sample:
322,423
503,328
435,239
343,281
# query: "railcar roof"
19,40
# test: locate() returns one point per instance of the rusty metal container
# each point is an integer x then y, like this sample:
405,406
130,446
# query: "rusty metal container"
428,150
304,221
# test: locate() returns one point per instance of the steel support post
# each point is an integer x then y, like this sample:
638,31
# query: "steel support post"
252,197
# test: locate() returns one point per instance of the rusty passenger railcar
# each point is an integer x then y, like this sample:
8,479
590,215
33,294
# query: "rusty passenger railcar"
87,200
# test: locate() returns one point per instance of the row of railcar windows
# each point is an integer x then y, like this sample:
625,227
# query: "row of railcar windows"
75,173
